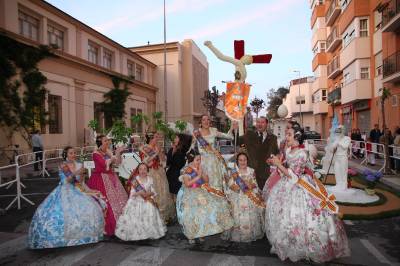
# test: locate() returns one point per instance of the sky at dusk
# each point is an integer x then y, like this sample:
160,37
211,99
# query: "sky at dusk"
280,27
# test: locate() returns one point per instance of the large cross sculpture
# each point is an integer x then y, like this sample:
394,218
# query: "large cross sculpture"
240,59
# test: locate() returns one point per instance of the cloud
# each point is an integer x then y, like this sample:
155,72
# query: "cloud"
139,17
235,21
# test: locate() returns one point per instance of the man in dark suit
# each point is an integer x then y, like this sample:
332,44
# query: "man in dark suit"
259,145
375,134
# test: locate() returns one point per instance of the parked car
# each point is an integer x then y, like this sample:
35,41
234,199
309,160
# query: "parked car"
312,135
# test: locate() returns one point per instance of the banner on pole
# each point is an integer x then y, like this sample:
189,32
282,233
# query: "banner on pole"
237,94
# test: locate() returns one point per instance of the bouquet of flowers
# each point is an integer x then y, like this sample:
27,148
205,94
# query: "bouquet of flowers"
372,179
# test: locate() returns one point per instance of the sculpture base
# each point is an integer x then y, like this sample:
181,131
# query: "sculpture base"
351,195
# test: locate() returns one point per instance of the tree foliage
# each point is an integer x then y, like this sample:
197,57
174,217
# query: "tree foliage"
21,107
211,100
113,105
120,132
181,125
257,105
275,99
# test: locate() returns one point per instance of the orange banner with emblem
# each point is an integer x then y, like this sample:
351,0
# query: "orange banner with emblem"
236,97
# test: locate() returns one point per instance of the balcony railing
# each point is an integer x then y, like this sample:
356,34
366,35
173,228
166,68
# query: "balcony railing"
391,9
333,11
391,64
334,97
333,40
334,67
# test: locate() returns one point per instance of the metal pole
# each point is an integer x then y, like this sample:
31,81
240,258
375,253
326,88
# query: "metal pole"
301,115
18,188
165,67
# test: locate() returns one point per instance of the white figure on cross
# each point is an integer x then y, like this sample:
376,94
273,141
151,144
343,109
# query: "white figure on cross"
240,59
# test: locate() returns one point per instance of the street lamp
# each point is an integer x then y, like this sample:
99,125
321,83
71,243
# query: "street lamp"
301,115
165,68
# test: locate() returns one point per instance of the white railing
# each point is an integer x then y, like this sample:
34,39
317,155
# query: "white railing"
368,149
395,156
371,150
29,159
396,152
9,183
56,154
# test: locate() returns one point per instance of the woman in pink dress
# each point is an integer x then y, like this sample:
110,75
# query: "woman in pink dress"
106,181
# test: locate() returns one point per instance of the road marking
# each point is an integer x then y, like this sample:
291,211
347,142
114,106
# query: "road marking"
379,256
150,256
13,246
348,222
67,259
230,260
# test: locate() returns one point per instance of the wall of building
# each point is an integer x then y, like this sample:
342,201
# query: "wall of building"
70,76
306,108
187,78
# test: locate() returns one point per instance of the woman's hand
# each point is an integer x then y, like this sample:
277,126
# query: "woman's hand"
147,195
274,160
248,184
235,188
235,125
120,149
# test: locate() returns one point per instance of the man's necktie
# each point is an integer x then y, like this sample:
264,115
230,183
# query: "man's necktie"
260,137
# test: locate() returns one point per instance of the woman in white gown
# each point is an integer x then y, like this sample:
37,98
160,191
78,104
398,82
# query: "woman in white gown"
248,207
212,163
140,218
153,155
301,220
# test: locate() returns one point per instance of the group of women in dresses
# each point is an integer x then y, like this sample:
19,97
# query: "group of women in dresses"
295,213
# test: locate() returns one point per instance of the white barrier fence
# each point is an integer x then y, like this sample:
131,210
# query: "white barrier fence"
29,159
368,151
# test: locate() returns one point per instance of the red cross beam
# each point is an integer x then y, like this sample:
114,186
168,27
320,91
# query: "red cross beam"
239,53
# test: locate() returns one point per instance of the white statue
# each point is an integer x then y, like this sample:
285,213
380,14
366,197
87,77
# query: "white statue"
328,162
340,149
240,60
238,63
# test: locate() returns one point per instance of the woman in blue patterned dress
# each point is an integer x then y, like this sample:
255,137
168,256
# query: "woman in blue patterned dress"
68,216
201,209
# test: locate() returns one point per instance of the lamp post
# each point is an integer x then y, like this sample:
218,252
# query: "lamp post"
165,68
301,115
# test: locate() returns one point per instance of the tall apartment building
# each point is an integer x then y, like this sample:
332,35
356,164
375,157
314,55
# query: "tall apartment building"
187,78
319,67
352,53
299,102
390,25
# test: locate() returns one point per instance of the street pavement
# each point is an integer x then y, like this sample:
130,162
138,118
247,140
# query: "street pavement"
372,243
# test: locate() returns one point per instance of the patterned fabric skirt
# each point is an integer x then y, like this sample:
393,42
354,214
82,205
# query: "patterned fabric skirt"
201,213
140,220
111,188
163,197
248,219
67,217
215,170
298,229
